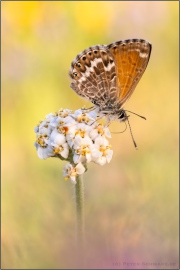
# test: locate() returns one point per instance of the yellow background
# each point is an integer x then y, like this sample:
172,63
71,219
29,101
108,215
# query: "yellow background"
131,204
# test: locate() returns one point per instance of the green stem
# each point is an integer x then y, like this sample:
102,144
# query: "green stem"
79,195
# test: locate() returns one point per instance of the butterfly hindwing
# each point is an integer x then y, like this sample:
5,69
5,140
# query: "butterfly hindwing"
93,75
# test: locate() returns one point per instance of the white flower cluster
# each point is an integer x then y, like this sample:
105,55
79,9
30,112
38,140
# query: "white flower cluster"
76,137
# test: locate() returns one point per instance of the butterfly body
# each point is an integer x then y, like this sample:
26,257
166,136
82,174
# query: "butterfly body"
107,75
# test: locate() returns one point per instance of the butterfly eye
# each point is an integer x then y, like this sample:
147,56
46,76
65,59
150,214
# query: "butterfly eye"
84,58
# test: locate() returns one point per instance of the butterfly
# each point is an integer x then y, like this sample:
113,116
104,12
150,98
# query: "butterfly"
107,75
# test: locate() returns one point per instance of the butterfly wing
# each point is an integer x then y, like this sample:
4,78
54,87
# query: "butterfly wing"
131,58
93,75
108,75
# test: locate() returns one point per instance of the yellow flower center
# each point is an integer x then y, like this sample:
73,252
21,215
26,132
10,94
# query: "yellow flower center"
81,133
82,118
104,149
63,130
83,150
41,140
100,130
58,149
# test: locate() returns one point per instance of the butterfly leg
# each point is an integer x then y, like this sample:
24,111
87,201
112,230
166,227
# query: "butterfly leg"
88,109
98,118
109,120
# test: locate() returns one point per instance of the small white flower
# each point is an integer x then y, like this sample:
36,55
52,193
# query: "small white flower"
62,121
99,130
80,129
44,150
83,130
44,128
69,171
82,117
63,112
82,149
42,140
59,144
101,152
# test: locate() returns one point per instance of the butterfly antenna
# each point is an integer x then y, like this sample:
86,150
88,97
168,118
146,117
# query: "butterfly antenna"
132,135
137,114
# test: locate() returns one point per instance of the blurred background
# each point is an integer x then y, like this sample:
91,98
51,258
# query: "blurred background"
131,204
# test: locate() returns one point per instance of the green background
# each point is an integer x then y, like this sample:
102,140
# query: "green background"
131,204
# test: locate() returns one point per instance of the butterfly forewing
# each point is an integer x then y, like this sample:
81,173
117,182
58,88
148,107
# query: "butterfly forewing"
131,58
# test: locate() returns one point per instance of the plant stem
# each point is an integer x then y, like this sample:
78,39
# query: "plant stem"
79,195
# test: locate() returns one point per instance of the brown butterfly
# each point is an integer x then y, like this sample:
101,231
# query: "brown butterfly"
107,75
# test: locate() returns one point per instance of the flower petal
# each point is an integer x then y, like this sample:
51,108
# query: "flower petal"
80,168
